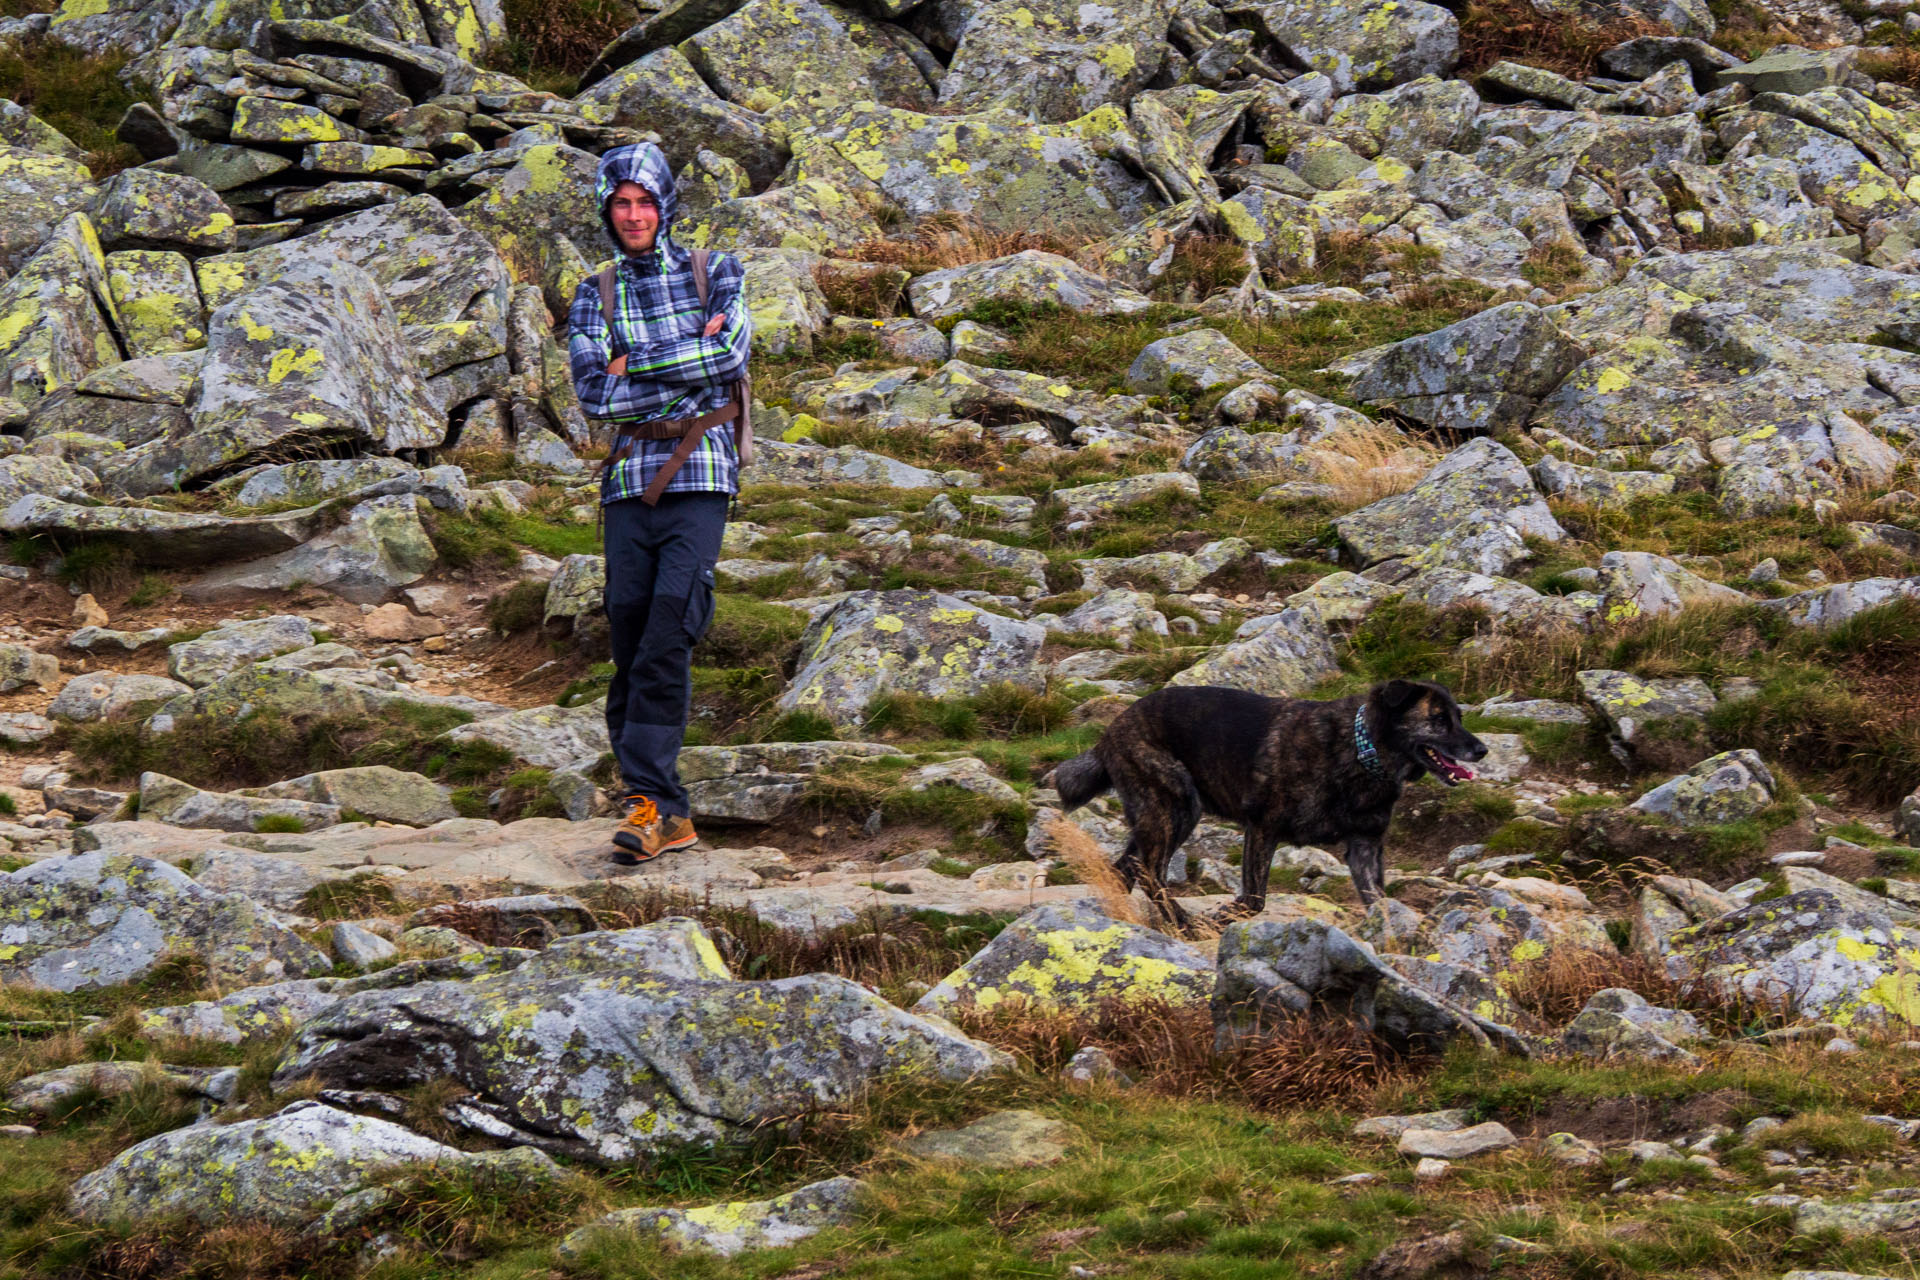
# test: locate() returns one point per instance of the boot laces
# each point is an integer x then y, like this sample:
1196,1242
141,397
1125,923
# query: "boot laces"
642,813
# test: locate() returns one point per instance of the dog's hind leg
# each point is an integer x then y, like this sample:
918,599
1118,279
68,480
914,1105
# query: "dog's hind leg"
1162,808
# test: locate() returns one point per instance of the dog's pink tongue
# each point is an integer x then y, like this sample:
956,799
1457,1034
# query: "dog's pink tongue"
1458,771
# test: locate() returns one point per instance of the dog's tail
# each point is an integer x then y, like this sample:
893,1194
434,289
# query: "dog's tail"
1080,779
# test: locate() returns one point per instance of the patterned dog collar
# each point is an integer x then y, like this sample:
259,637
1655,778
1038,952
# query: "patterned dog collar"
1363,743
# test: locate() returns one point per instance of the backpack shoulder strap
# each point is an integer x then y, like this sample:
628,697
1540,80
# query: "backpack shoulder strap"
700,276
608,285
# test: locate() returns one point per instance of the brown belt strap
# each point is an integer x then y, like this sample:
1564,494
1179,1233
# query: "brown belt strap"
696,432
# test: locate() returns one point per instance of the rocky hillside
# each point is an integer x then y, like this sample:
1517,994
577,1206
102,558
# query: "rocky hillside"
1563,352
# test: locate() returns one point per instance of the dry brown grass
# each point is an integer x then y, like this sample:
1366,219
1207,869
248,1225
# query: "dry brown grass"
953,240
564,35
1493,30
1366,464
1093,868
1308,1061
1556,987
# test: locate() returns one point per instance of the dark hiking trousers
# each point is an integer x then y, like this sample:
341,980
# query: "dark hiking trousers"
659,603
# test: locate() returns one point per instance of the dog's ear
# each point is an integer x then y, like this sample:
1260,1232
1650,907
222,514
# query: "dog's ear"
1395,694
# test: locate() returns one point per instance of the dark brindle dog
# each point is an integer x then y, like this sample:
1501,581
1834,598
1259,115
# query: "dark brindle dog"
1285,769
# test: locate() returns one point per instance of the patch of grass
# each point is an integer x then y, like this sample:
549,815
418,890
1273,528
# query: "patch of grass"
1201,266
82,96
257,749
588,687
100,567
151,589
1492,30
349,899
800,726
1833,1135
749,633
8,806
550,42
519,607
279,822
466,542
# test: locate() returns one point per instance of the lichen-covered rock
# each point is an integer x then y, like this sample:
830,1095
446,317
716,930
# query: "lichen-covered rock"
756,54
233,645
298,694
55,320
929,643
37,191
179,804
98,920
1201,359
735,1227
1480,482
170,538
996,166
285,1169
577,589
546,737
1621,1023
1284,659
1270,970
1827,607
664,92
1118,613
429,265
759,782
1167,570
314,355
1090,501
1030,276
1479,374
1002,1140
1811,954
378,793
958,389
380,547
21,666
109,696
1724,788
1073,956
1602,488
1628,704
322,479
144,208
1360,44
1639,584
606,1046
1056,59
158,302
778,462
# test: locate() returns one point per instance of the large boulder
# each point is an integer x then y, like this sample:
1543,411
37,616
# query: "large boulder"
170,538
663,92
285,1169
1810,954
58,317
1271,970
180,804
1056,59
923,642
107,695
1286,658
98,920
381,547
1724,788
1202,359
765,49
1359,44
37,191
1030,276
547,737
543,221
1481,482
1073,956
233,645
995,166
1483,373
21,666
314,356
607,1046
146,209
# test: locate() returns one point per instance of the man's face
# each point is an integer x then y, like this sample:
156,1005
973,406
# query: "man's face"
636,217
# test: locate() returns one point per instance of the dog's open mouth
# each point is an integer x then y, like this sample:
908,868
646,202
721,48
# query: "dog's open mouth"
1444,766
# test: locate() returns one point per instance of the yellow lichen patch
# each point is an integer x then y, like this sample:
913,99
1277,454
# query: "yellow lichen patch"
954,617
888,622
287,361
255,332
1612,379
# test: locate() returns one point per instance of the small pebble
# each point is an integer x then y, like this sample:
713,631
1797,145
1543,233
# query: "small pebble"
1840,1044
1430,1169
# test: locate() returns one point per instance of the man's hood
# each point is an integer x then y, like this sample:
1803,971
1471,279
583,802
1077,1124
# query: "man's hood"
644,163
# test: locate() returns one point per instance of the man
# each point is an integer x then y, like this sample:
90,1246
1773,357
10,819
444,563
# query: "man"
664,363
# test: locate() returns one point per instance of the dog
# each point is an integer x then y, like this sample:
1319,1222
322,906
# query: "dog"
1285,769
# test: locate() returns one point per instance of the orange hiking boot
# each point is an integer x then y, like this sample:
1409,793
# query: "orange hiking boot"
647,833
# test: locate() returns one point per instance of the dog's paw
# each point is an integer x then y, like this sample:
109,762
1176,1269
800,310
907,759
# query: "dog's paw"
1239,909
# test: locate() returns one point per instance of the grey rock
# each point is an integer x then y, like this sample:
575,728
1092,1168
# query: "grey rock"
233,645
1456,1144
733,1228
353,945
1724,788
381,547
108,696
176,803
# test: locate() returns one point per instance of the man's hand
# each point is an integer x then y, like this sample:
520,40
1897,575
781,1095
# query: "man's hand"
618,367
713,325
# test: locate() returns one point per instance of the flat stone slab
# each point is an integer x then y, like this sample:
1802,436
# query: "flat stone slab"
1456,1144
1003,1140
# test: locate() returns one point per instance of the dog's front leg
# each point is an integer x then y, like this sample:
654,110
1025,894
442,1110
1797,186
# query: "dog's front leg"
1256,862
1367,860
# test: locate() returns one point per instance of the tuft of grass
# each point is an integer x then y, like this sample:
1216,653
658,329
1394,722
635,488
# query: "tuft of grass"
349,899
550,42
1833,1135
954,240
519,607
151,589
81,95
279,822
1493,30
9,807
466,542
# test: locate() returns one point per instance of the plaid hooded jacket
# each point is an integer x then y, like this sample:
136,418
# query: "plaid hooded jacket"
672,371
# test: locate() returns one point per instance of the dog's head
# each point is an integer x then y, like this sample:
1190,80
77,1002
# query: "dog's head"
1420,723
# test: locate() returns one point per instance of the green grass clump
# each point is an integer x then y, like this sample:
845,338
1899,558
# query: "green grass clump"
519,607
284,823
82,96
